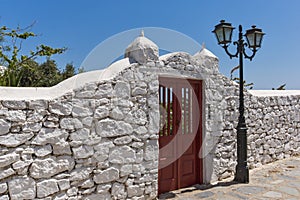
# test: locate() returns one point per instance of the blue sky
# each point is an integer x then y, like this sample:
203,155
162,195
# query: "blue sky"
82,25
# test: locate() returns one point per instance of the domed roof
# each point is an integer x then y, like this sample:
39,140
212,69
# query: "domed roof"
204,53
142,50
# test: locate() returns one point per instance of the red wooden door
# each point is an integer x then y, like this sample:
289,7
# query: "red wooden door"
180,133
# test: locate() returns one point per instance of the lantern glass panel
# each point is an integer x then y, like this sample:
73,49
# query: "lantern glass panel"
251,40
219,35
258,39
228,34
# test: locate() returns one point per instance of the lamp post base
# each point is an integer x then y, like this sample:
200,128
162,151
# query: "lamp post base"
242,174
242,170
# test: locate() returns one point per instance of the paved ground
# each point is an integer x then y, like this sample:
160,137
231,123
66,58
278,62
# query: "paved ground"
278,180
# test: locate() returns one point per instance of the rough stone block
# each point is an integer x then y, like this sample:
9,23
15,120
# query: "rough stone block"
80,135
4,126
70,123
46,188
106,176
83,151
80,174
116,113
42,151
122,140
22,187
50,136
122,89
88,184
81,111
38,104
60,107
4,197
61,148
46,168
151,150
105,196
134,190
122,155
111,128
63,184
118,191
14,140
15,116
101,112
3,188
6,173
8,159
17,105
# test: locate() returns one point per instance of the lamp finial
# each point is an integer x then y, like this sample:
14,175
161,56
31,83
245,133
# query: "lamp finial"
142,34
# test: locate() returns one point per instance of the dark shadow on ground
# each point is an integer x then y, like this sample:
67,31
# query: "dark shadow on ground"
173,194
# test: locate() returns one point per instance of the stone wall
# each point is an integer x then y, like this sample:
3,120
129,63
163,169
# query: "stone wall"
273,122
97,142
98,139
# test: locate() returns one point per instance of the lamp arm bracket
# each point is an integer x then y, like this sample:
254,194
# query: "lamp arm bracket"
250,57
225,46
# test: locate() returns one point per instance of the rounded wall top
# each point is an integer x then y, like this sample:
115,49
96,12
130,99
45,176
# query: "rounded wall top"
142,50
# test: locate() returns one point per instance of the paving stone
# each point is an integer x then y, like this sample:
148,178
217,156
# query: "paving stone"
289,190
277,182
205,194
238,196
272,194
284,177
294,184
263,185
250,189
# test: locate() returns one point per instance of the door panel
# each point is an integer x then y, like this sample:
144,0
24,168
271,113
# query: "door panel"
180,133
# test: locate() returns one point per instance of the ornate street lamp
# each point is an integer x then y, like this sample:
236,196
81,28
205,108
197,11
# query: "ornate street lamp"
223,32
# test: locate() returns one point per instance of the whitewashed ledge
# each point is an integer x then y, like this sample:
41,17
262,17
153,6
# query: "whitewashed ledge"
47,93
271,93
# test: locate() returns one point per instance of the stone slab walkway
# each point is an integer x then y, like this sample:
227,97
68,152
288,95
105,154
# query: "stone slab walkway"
278,180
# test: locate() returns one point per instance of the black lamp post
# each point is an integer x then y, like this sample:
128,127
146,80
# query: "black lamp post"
223,32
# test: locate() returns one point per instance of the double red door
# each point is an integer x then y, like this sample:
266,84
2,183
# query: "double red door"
180,138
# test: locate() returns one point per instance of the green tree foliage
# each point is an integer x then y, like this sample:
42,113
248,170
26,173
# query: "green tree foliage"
46,74
21,66
68,72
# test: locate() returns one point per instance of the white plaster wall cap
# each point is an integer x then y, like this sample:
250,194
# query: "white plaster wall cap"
68,85
270,93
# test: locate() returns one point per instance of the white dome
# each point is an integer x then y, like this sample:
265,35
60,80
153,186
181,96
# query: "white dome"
204,53
142,50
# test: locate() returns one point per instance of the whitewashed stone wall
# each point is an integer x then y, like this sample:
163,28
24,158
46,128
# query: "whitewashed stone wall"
273,122
99,140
